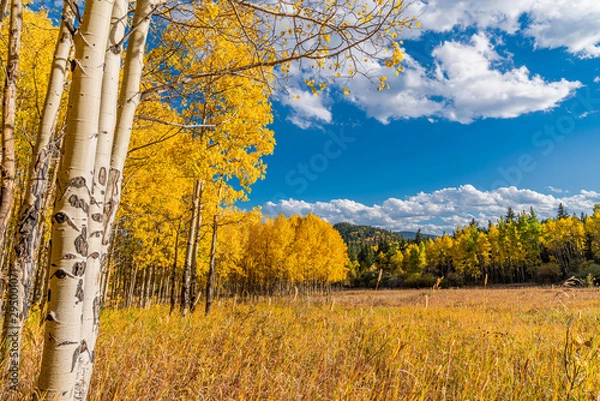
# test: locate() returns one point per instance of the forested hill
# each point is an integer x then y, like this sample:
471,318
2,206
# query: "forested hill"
369,247
352,233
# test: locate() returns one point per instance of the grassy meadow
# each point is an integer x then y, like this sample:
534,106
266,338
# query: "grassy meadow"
467,344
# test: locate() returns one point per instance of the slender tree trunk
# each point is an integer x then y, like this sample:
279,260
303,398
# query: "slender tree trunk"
31,212
174,272
132,287
187,268
193,289
108,270
44,296
62,341
150,286
14,318
129,99
105,284
9,111
43,248
161,287
142,290
211,266
40,277
17,294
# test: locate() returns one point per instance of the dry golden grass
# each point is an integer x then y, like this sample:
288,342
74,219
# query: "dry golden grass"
473,344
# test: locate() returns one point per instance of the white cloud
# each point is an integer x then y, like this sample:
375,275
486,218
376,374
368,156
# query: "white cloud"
597,80
439,211
466,84
469,80
573,25
308,110
445,15
557,190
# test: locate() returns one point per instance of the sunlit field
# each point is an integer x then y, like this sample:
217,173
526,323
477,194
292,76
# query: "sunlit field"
471,344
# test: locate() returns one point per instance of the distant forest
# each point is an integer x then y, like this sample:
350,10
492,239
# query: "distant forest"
517,248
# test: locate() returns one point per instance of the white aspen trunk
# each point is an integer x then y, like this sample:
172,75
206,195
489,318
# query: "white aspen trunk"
9,111
161,287
17,297
151,287
97,254
173,292
193,288
132,284
129,99
41,247
142,291
211,267
62,340
213,251
187,267
31,212
105,285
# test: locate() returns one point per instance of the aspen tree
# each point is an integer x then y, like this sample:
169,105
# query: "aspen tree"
210,281
129,99
187,268
97,255
9,110
70,248
27,232
174,269
194,267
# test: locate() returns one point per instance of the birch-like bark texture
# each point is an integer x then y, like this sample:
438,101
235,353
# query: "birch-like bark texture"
174,271
193,289
129,99
9,111
16,298
62,342
28,227
210,281
187,267
98,250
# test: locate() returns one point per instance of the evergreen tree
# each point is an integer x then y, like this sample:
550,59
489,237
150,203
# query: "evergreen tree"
562,212
418,237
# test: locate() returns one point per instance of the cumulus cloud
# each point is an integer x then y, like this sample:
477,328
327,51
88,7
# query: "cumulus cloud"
466,84
467,81
572,25
439,211
307,110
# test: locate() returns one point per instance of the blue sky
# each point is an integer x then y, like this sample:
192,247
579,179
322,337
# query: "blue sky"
499,106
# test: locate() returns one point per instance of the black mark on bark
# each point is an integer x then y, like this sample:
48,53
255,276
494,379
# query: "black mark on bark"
78,182
79,203
79,269
81,243
102,176
79,291
60,217
60,274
